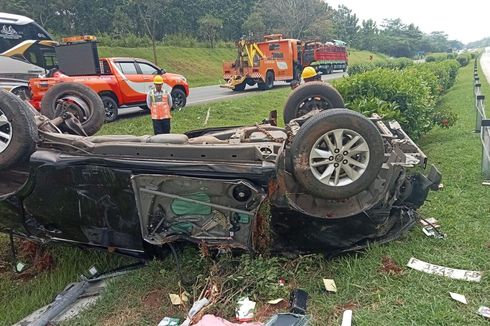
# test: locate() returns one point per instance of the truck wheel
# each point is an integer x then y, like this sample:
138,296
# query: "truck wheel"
337,154
311,96
240,87
18,131
179,99
269,81
110,108
78,99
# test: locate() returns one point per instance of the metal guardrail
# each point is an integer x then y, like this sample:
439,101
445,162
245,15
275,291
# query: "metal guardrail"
482,126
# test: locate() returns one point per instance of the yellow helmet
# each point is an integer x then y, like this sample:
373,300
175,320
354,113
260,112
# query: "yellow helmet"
158,80
308,72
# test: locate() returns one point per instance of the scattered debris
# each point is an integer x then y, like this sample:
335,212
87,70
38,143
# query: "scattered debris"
168,321
207,117
389,266
288,320
456,274
175,299
211,320
430,228
330,285
347,318
484,311
299,299
264,312
19,267
282,282
430,222
275,301
458,297
245,309
196,307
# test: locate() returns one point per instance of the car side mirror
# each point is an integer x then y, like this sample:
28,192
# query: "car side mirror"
162,71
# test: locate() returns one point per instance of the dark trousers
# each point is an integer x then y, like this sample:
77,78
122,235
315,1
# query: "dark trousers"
161,126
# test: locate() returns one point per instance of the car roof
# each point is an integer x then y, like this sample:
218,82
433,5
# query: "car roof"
117,59
6,18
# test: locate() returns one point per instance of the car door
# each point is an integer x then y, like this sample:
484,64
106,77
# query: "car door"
132,86
149,71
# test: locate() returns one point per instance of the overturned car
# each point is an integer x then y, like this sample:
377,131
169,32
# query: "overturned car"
329,181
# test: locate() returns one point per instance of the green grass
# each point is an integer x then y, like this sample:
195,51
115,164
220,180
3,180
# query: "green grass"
357,56
412,298
201,66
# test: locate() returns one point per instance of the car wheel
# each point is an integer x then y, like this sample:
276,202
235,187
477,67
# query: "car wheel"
269,81
145,108
21,92
311,96
110,108
78,99
179,98
18,131
337,154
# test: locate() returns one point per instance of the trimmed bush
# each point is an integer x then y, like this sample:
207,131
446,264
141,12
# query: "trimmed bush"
408,95
399,63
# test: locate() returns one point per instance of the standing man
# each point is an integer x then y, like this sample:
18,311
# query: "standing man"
159,102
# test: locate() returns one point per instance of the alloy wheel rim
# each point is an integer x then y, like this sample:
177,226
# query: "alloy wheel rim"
109,110
339,157
6,132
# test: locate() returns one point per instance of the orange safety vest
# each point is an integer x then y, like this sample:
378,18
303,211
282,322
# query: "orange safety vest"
159,106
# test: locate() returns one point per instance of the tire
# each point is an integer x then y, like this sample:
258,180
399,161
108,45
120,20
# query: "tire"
91,117
269,81
110,108
179,99
18,131
21,92
145,108
309,146
240,87
311,96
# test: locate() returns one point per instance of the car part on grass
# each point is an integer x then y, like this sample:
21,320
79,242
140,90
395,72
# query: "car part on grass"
301,101
298,302
224,188
456,274
75,298
18,131
288,319
337,154
77,99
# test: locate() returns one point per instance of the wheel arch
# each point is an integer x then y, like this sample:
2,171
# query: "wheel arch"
111,94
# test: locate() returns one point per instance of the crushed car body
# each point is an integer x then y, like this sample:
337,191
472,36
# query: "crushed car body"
329,181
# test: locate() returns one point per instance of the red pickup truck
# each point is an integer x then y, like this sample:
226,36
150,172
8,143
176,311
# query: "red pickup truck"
122,81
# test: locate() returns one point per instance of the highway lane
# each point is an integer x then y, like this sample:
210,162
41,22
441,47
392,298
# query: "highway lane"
485,63
205,94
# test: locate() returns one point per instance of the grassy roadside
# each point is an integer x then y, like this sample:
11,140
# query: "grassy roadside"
399,298
202,66
402,297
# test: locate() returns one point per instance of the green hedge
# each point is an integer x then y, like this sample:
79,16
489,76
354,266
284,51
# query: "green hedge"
407,95
400,63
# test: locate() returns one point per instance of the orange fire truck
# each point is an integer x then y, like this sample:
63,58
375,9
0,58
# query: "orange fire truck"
281,59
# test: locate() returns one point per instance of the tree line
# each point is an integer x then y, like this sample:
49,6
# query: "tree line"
211,21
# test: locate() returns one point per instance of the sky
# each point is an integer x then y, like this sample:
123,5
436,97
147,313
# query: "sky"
466,21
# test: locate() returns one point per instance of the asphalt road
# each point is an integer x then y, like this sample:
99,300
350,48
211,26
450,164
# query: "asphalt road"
485,63
205,94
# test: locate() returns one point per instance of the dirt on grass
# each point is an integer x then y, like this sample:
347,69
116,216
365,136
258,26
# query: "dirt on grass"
390,267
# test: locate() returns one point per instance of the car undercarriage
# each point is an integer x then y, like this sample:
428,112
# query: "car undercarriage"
330,181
